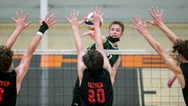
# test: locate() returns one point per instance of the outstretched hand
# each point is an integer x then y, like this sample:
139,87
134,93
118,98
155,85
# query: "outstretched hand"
49,20
97,15
73,19
157,15
139,25
20,20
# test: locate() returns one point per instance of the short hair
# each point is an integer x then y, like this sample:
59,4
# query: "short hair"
119,23
5,58
94,61
181,46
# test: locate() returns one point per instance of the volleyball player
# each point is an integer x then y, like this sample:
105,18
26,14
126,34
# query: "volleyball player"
116,29
180,46
95,74
11,79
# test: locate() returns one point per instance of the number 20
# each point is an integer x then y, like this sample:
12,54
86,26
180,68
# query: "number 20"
99,93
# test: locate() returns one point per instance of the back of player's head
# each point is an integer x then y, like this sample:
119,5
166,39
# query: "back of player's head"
119,23
181,46
94,61
5,58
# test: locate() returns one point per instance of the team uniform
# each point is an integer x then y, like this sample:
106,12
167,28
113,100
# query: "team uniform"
108,46
96,90
112,59
8,92
184,68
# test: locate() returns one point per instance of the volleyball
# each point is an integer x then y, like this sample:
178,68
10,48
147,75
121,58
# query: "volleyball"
89,24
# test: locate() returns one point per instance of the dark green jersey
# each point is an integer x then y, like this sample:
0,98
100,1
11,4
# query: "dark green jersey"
108,46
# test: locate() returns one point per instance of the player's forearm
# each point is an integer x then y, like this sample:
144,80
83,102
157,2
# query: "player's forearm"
116,65
31,49
98,38
12,39
171,35
37,38
173,78
25,62
153,42
78,40
34,44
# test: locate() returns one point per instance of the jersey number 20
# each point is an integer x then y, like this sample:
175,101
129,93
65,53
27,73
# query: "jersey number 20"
99,93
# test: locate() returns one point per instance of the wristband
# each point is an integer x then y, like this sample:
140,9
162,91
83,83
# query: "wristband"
43,27
40,33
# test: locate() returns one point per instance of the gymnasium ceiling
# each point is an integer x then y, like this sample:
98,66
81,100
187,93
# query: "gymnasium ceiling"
175,11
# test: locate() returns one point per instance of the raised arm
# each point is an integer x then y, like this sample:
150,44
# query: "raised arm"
157,16
23,67
73,19
168,60
20,25
97,32
90,33
116,66
98,39
141,28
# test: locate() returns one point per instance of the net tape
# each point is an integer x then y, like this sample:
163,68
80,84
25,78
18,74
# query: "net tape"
73,51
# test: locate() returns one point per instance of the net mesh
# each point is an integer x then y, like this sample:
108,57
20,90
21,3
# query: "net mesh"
141,79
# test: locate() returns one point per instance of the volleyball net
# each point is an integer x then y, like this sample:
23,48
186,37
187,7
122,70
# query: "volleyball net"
141,79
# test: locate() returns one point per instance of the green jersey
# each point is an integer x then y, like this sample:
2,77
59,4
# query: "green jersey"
108,46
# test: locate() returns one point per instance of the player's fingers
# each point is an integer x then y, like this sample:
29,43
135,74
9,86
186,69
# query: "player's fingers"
151,13
82,21
21,14
40,21
52,23
46,16
17,16
136,18
29,23
14,19
132,27
133,22
161,13
68,19
52,17
149,21
26,16
77,13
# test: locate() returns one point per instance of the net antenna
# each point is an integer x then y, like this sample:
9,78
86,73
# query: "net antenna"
44,45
